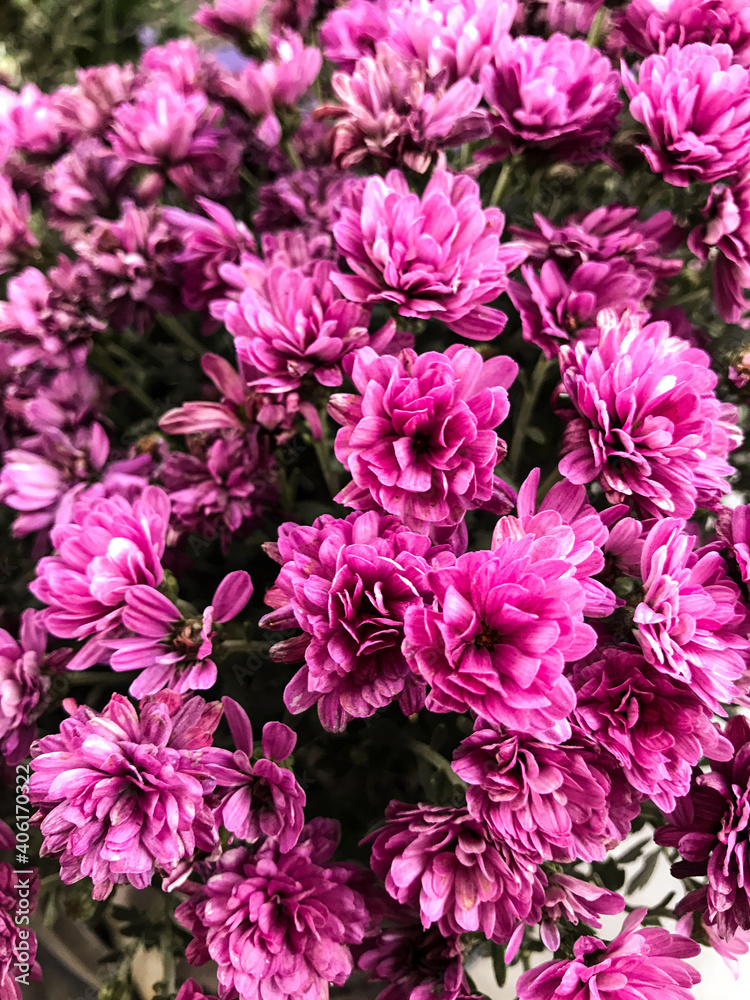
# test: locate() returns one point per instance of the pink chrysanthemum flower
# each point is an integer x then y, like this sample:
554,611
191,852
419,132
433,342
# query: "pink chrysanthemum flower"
121,794
656,728
500,631
23,687
232,19
645,421
574,900
260,798
352,31
393,110
553,803
705,138
173,649
709,828
733,528
86,108
310,198
420,440
108,546
348,584
438,255
87,182
691,623
440,859
646,963
648,27
16,239
278,925
557,95
18,944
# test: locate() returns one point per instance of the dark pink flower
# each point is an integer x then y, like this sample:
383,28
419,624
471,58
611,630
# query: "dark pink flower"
16,239
24,688
438,255
260,798
557,95
553,803
420,440
278,925
709,827
86,108
574,900
190,990
655,727
170,647
498,635
644,419
648,27
348,584
702,139
309,198
644,963
18,944
232,19
352,31
691,623
733,528
87,182
440,859
121,795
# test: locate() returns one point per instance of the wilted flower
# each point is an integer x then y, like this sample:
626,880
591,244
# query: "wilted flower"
348,584
657,728
556,95
641,962
709,828
647,26
691,623
706,138
440,859
121,795
420,440
644,419
277,924
438,255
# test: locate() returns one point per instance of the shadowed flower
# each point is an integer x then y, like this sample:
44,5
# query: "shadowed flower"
232,19
733,528
642,962
87,182
18,898
23,687
121,794
438,255
190,990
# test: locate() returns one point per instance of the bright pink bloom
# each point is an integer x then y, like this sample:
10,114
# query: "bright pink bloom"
18,896
709,827
420,440
704,138
442,860
23,687
348,584
644,963
173,649
574,900
552,803
121,795
260,798
691,624
438,255
645,421
557,95
278,925
649,27
352,31
655,727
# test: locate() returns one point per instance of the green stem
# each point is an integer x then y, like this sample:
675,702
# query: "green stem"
101,360
526,412
503,179
437,760
170,969
178,332
76,679
323,454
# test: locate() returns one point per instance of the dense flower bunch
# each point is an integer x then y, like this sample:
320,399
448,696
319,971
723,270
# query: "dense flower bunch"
373,379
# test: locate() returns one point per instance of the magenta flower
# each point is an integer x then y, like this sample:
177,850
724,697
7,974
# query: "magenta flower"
645,421
235,409
87,182
170,648
352,31
232,19
438,255
16,239
733,528
420,440
393,110
348,584
260,798
440,859
86,109
574,900
655,727
557,95
278,925
309,198
730,950
121,795
108,546
709,828
552,803
224,485
646,963
498,635
702,139
18,942
691,624
190,990
24,688
648,27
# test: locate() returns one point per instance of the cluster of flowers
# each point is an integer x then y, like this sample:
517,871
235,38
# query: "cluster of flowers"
587,633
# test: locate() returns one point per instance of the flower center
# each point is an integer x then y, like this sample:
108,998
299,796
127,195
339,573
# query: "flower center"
186,638
488,637
421,442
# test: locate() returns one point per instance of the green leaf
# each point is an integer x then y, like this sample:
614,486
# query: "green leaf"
642,877
498,963
635,852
